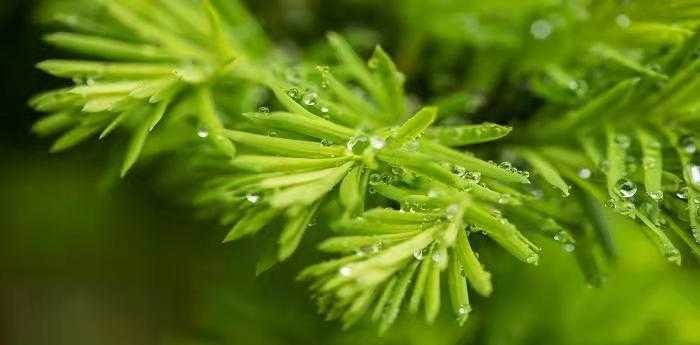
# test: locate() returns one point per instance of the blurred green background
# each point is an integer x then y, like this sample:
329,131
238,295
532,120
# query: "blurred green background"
86,261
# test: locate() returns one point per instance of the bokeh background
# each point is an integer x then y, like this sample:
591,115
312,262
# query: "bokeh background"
85,259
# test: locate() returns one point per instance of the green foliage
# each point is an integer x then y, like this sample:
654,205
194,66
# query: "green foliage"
400,189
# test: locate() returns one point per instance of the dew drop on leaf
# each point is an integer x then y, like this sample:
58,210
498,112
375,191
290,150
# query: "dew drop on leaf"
584,173
623,141
694,171
376,142
569,247
682,193
623,21
202,133
541,29
451,211
688,144
293,93
345,271
310,98
418,254
657,195
252,197
625,188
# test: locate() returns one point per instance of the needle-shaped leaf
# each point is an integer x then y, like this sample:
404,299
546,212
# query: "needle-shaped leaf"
652,164
467,134
74,137
298,221
548,172
307,193
253,220
472,163
391,79
414,126
106,47
286,147
309,125
503,233
432,293
397,297
108,70
594,111
457,286
54,123
660,240
466,258
258,163
138,138
346,244
611,54
352,191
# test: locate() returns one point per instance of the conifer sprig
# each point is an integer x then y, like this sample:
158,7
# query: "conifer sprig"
392,185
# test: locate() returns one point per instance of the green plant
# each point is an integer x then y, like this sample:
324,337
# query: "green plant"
274,146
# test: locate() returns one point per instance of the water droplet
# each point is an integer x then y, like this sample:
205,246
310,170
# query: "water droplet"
323,109
436,258
264,110
312,222
654,67
376,142
541,29
376,247
623,141
293,93
412,145
357,144
472,176
372,190
682,193
625,188
537,193
310,98
626,209
375,179
252,197
459,170
649,162
202,133
451,211
418,254
326,142
345,271
584,173
568,247
463,310
623,21
688,144
532,259
272,133
505,165
695,174
656,195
